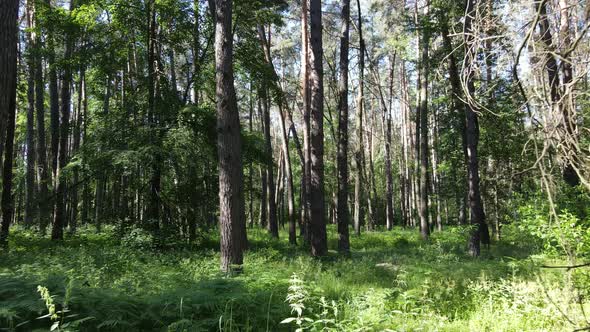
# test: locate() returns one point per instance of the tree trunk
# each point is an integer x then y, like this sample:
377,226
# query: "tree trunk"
44,212
53,102
358,190
153,210
319,245
458,107
231,203
477,216
285,138
423,115
30,135
372,194
407,137
342,159
7,203
435,175
8,74
60,207
272,207
76,147
250,168
389,210
263,174
196,52
306,93
568,107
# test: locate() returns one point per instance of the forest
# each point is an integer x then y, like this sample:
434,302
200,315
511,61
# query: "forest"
294,165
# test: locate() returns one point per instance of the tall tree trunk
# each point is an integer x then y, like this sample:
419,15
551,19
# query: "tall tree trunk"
53,101
409,176
7,203
372,194
196,53
44,212
8,74
60,207
250,168
272,207
342,158
263,175
153,211
423,115
231,203
289,179
285,137
30,136
76,147
388,171
358,189
477,215
435,175
568,107
319,246
458,107
306,93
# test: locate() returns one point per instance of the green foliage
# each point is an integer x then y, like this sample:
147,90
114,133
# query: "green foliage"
564,234
391,280
139,239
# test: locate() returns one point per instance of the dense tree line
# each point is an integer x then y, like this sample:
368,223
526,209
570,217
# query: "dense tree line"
177,117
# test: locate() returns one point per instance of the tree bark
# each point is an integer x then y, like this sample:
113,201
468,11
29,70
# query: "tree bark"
231,204
477,215
53,101
60,207
284,135
153,211
272,207
423,115
359,154
30,135
306,93
342,158
8,74
389,214
196,53
76,146
44,213
568,107
319,245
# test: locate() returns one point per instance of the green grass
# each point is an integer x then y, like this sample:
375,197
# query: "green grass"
391,281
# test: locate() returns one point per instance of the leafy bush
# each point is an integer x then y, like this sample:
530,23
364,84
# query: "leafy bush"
138,238
565,234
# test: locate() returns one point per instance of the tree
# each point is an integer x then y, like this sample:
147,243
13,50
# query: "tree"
30,140
561,98
66,94
319,246
273,227
342,197
41,150
8,72
359,154
389,211
231,204
283,114
477,215
423,116
306,109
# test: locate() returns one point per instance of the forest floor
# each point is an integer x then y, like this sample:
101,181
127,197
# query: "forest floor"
391,281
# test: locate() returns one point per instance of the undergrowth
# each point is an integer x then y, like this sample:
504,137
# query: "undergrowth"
391,281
